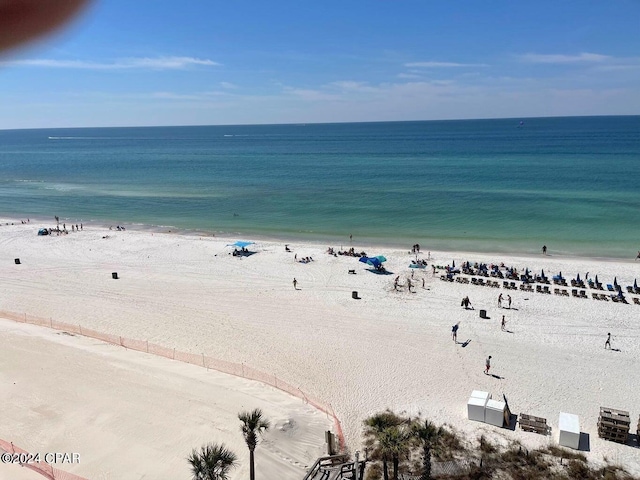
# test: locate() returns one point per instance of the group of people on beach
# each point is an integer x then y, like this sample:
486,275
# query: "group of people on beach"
508,300
349,253
466,303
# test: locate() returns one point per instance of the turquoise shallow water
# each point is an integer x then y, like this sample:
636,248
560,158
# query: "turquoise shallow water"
484,185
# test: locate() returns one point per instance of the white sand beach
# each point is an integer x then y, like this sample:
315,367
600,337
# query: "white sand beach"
389,349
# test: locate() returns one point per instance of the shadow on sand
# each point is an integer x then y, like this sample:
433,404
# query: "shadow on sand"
584,443
379,272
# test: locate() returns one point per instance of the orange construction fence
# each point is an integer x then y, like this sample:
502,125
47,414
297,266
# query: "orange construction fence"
231,368
21,457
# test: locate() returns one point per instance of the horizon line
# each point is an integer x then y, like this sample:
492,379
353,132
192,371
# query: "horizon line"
319,123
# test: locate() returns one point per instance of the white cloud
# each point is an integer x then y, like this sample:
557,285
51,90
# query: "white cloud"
352,87
443,65
228,85
174,96
408,75
144,63
564,59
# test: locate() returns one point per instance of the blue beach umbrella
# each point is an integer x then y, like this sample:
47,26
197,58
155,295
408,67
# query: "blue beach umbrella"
381,258
635,283
542,274
615,281
240,244
578,278
374,262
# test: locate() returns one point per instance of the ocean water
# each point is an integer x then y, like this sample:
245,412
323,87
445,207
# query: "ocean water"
480,185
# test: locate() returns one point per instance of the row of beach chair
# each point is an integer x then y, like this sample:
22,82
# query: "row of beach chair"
527,287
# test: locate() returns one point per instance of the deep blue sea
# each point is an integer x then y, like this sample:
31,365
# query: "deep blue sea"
480,185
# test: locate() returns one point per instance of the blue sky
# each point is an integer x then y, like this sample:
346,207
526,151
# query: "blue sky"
201,62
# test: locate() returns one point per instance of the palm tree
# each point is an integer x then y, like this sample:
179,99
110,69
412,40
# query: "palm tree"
427,434
253,425
376,435
395,441
212,462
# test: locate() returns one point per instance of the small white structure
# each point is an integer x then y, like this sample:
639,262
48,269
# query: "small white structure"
494,413
481,394
476,405
569,426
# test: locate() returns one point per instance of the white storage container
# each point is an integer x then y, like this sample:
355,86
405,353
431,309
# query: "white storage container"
569,426
494,413
475,409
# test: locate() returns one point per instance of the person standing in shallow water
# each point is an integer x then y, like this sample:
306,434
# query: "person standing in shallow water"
544,249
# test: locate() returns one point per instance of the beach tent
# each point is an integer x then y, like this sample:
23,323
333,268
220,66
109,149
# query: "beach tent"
43,231
373,261
240,244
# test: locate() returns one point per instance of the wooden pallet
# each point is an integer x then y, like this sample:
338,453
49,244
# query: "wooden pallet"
614,425
529,423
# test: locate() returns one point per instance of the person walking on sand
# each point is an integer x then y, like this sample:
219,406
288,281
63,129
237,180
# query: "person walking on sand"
607,344
509,301
504,324
423,282
409,284
454,332
395,282
295,284
487,365
500,301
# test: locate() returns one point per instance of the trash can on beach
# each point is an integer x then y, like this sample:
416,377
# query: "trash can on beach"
483,314
17,261
354,294
114,275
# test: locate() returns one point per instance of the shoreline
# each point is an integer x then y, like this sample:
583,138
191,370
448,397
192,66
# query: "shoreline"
318,240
